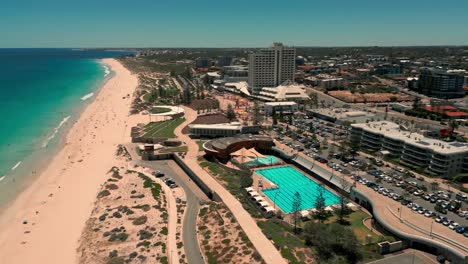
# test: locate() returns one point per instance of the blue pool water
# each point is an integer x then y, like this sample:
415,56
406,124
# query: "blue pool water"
262,161
290,181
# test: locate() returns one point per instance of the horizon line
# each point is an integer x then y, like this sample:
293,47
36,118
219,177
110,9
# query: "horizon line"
233,47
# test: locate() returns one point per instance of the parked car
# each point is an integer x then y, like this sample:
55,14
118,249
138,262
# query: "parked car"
461,229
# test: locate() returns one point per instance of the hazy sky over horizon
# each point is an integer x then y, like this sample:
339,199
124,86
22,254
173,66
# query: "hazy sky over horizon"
241,23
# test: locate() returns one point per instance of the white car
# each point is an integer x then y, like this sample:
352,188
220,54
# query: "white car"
453,225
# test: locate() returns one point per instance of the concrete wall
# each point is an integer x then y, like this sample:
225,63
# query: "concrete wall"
194,177
389,247
418,242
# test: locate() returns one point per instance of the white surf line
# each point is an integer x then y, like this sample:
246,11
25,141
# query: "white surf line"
55,131
86,97
16,166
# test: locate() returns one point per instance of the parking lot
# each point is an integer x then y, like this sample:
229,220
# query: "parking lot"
392,181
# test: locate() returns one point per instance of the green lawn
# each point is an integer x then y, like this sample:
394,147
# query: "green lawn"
200,144
159,110
164,129
355,219
174,149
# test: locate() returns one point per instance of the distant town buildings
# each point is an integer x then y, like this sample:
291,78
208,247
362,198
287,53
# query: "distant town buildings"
441,84
439,157
389,70
236,73
271,67
203,62
224,61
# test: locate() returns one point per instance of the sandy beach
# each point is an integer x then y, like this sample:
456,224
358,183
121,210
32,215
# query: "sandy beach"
45,222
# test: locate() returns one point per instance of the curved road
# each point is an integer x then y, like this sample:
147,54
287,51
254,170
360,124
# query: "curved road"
264,246
194,196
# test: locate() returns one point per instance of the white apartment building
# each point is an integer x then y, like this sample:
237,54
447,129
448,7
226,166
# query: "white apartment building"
271,67
442,158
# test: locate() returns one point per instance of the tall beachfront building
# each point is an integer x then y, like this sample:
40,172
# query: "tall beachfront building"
271,67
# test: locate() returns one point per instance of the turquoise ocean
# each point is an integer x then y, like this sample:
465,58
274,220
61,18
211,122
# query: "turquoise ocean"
42,92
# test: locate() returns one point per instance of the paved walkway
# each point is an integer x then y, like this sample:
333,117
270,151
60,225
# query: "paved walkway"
264,247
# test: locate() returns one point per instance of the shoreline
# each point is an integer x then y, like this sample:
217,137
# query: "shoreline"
51,212
17,180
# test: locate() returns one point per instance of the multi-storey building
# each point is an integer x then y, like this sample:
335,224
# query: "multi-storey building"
441,158
441,84
203,62
271,67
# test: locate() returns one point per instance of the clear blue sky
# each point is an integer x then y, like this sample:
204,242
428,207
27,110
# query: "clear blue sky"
236,23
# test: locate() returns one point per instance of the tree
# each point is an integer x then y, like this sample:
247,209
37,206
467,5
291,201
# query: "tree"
257,116
314,99
296,209
434,185
231,115
274,117
453,124
393,98
416,103
333,242
321,213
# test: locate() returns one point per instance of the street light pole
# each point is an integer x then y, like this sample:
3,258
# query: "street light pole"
432,222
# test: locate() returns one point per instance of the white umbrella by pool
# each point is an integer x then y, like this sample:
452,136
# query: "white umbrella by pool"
249,189
305,213
329,209
351,206
313,210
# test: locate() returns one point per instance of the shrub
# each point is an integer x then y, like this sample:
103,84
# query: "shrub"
103,193
140,220
112,186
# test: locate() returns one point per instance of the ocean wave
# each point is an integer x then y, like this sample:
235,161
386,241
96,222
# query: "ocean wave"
56,130
86,97
16,166
106,71
2,178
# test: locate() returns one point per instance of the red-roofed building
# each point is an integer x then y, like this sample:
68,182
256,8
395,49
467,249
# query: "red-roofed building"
440,108
457,115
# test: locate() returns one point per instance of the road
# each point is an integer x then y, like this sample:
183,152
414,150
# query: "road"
193,195
263,245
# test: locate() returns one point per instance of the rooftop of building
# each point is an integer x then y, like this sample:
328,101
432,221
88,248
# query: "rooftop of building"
397,132
340,112
285,91
289,103
226,126
223,143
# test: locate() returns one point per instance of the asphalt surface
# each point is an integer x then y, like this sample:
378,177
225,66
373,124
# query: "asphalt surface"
193,195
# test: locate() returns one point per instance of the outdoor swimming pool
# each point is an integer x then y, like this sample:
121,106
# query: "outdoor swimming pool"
290,181
268,160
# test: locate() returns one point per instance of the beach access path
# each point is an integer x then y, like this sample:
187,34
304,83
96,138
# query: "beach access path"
44,223
264,246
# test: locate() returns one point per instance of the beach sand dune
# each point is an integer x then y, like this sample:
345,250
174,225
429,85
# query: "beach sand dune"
44,223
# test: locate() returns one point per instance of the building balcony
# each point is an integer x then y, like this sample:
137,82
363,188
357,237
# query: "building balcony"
440,157
418,155
370,145
392,148
372,140
438,170
439,163
370,135
411,160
